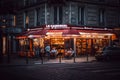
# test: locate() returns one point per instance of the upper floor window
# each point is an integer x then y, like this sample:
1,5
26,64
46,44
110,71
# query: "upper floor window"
26,2
81,15
8,20
37,16
101,17
58,14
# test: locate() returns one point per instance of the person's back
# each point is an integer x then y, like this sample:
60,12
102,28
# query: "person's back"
47,48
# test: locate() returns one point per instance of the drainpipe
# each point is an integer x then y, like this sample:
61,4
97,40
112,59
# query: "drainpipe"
87,49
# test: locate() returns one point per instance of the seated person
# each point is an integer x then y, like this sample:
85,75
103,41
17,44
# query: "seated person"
69,53
72,52
53,52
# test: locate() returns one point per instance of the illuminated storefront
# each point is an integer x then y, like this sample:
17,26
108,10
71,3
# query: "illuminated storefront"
81,39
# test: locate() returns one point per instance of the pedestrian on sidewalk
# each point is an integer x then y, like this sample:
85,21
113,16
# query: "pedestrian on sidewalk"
37,51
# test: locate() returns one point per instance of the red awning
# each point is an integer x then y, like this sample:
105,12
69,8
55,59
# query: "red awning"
94,31
70,32
21,37
55,30
39,32
31,32
64,32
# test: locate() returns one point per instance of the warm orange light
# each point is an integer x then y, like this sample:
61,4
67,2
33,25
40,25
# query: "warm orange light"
54,33
34,36
4,45
14,21
27,20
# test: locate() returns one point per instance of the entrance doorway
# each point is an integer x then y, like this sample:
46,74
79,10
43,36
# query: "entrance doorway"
60,43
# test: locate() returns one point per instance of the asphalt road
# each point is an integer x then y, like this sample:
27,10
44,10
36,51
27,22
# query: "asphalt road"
73,71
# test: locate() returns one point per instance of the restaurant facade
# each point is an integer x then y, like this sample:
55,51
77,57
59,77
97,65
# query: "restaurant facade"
81,39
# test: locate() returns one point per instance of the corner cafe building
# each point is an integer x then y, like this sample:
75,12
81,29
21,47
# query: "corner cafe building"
82,39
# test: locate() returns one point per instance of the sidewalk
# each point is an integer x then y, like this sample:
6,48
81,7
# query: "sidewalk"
15,60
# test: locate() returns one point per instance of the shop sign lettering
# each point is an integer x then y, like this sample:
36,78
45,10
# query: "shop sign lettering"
56,26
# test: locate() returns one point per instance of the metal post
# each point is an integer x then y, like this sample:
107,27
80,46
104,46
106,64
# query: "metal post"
74,58
86,49
26,57
8,49
1,47
26,51
42,60
60,58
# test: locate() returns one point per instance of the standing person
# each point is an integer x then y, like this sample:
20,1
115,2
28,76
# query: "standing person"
42,51
41,54
37,51
47,50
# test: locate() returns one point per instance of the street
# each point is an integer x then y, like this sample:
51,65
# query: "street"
63,71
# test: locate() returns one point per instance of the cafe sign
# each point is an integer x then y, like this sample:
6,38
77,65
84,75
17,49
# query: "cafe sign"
56,26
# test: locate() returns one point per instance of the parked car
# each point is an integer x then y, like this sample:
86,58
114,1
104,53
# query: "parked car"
108,53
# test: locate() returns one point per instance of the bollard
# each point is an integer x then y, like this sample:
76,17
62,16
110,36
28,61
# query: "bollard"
41,59
59,58
87,57
26,57
74,58
60,55
8,58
